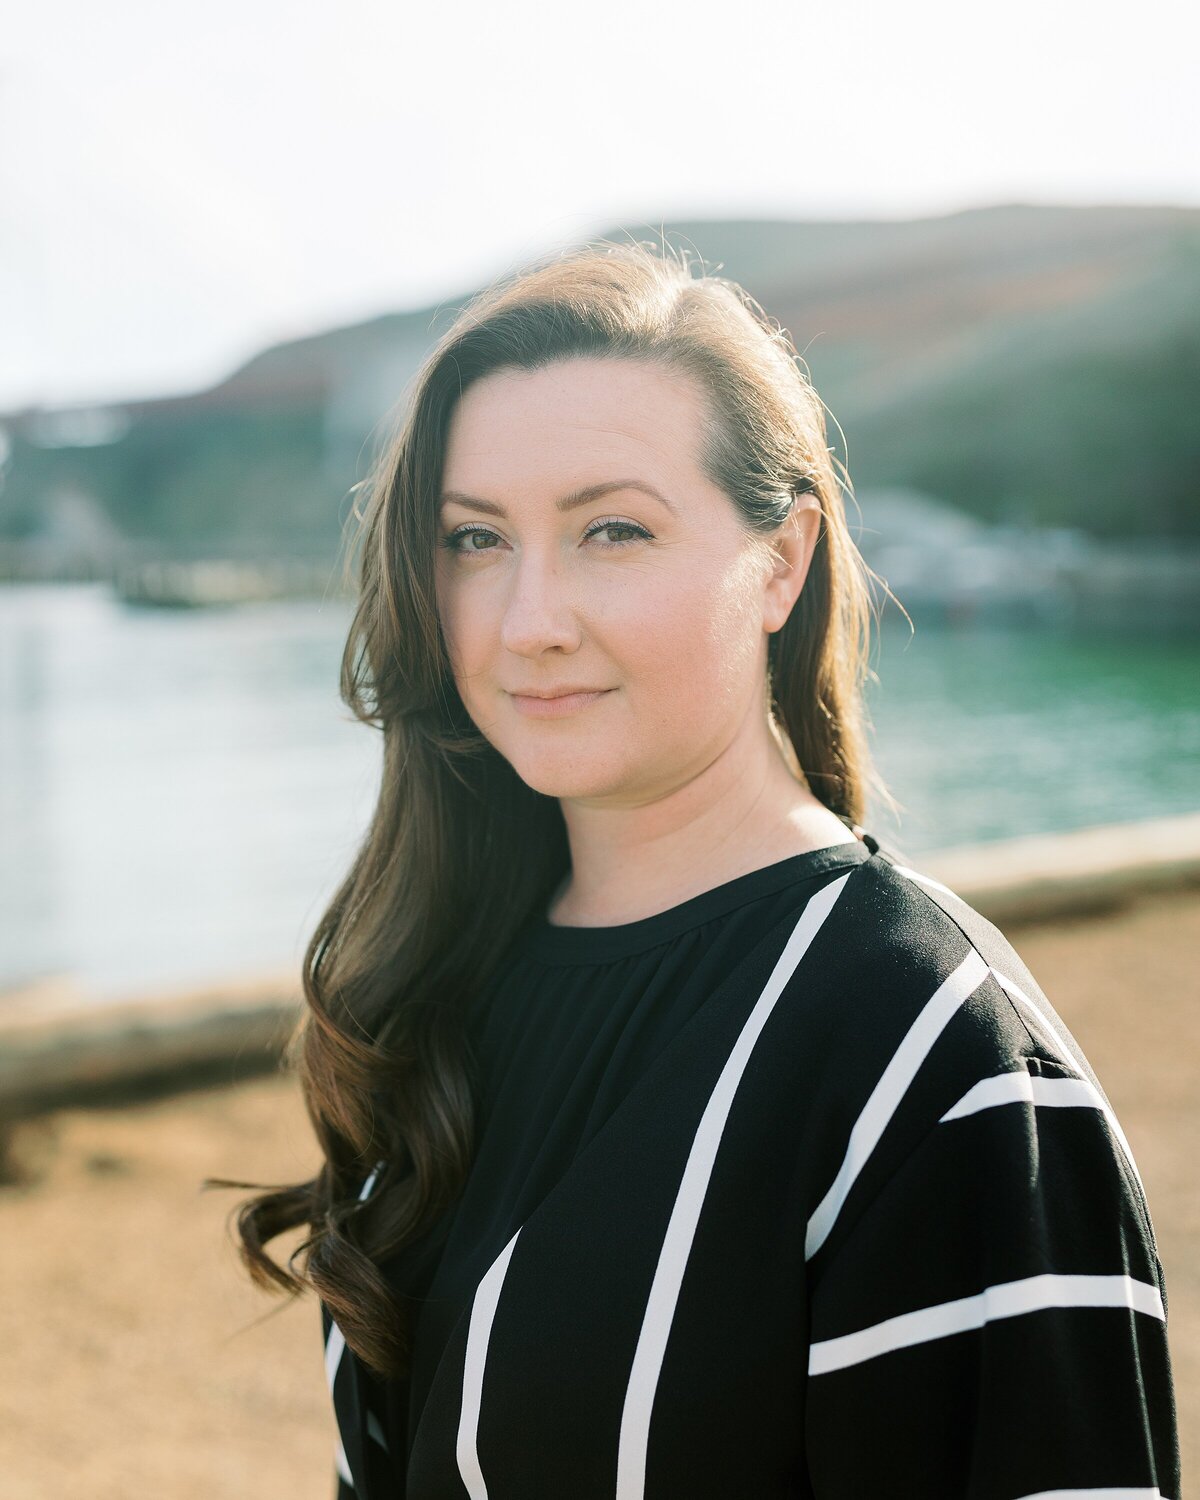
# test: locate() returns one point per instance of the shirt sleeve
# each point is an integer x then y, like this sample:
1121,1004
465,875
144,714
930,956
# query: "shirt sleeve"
992,1324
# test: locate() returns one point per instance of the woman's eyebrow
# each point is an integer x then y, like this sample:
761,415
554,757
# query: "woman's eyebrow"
567,502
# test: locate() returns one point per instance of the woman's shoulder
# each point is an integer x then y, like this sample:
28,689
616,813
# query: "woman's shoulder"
917,1032
917,1005
904,944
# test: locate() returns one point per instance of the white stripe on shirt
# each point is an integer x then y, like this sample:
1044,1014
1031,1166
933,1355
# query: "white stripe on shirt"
335,1345
483,1311
1102,1494
339,1458
1021,1087
1007,1300
1014,990
927,880
891,1087
689,1200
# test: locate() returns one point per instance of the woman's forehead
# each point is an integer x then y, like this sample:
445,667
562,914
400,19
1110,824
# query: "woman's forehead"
573,415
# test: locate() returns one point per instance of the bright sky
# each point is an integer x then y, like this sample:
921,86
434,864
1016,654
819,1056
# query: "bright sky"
180,185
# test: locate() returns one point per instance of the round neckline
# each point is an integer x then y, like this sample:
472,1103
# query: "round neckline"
553,943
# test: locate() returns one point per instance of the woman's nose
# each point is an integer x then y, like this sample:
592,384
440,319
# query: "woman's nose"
538,613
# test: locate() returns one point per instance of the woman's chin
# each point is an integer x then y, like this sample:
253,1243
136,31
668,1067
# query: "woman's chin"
561,776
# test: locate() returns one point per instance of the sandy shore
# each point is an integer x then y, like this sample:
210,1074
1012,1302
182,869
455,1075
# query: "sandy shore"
136,1361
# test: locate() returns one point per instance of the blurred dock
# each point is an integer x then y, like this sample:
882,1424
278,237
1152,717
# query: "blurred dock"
203,584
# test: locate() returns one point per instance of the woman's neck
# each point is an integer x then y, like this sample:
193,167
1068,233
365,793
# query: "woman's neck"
732,818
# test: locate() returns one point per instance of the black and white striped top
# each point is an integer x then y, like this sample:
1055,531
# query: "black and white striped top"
800,1188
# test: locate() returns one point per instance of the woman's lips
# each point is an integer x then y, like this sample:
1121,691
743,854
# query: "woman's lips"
555,708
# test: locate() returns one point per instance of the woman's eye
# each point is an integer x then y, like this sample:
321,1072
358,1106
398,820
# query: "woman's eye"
451,541
639,532
456,541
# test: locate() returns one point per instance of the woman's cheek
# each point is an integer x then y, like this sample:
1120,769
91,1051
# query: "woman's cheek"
475,634
669,642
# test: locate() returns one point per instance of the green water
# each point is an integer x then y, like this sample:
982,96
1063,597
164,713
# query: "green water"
987,734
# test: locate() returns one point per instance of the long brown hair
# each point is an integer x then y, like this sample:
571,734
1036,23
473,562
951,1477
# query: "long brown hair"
460,852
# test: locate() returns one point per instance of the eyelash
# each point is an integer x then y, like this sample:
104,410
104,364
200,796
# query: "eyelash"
451,539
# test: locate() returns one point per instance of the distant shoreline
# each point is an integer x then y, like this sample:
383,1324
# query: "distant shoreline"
1038,579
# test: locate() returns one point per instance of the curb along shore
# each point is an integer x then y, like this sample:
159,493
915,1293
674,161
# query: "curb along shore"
59,1049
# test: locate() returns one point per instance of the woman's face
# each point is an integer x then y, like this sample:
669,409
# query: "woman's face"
583,548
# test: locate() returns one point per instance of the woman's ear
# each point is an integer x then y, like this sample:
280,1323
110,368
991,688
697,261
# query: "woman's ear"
791,548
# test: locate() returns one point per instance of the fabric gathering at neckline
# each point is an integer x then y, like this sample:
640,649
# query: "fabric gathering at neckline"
551,943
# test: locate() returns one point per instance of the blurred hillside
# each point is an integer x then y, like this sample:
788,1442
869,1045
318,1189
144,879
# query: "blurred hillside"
1029,366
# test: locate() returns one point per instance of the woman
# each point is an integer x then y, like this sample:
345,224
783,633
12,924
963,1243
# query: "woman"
680,1140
